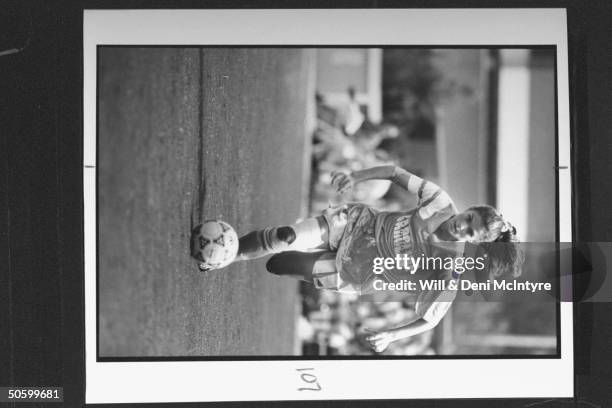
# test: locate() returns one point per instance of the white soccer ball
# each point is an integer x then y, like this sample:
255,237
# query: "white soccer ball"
214,243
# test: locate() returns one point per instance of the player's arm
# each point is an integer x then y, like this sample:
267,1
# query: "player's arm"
430,308
399,176
381,340
412,329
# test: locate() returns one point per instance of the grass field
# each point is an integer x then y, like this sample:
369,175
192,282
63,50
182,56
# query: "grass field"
184,135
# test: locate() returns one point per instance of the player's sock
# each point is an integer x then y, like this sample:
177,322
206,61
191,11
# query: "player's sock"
303,236
251,246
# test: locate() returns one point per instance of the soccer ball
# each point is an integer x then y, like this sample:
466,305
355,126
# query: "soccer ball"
214,243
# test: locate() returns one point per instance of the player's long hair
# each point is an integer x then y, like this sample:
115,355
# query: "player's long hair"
501,243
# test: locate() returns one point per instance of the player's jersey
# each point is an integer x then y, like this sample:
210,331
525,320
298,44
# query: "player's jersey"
368,233
407,232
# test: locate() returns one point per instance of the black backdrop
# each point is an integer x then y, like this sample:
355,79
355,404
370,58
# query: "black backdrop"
41,257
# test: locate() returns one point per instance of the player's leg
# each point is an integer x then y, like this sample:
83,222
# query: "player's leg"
314,267
309,234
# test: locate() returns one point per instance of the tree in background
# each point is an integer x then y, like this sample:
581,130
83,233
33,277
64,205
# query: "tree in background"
412,88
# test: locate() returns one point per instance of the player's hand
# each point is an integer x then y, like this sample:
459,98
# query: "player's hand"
379,341
343,182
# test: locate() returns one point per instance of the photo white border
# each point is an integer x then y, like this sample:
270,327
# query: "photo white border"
193,381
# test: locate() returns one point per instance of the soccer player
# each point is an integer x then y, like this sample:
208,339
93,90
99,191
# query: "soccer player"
336,249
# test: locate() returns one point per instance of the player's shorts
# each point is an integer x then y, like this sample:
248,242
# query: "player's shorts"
351,238
325,275
336,218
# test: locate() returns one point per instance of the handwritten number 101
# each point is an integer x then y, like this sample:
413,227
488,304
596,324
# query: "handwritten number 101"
308,378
